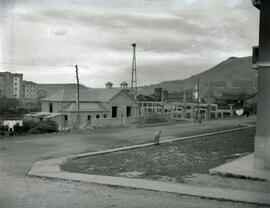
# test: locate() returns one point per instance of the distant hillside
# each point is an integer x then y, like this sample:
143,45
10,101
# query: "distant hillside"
233,74
53,88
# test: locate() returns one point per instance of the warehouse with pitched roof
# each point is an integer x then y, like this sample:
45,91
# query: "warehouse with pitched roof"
109,103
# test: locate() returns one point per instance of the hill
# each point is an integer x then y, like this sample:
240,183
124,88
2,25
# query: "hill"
233,75
53,88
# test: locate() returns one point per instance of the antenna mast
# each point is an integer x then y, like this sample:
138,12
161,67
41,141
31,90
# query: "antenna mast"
134,72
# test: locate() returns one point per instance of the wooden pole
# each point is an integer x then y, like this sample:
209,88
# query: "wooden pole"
162,100
184,103
78,96
198,102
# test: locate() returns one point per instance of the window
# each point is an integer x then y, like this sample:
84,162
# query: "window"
97,116
89,118
114,111
104,115
128,111
50,107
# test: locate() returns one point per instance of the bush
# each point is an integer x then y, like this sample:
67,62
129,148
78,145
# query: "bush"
152,119
34,127
3,128
44,127
27,126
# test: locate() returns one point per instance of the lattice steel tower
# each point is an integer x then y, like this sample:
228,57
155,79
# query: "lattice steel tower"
134,72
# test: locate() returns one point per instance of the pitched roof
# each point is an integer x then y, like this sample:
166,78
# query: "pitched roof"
43,114
86,95
85,107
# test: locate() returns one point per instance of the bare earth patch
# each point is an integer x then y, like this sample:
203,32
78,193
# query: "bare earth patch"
171,162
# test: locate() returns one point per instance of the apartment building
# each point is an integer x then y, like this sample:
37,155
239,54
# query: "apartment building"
11,85
30,90
1,85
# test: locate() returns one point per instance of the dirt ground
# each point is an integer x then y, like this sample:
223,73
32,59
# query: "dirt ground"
18,154
169,161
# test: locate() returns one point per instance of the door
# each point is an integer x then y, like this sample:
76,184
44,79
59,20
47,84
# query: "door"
114,111
128,111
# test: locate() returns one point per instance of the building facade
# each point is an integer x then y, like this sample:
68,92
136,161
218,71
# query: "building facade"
12,85
95,104
30,90
1,85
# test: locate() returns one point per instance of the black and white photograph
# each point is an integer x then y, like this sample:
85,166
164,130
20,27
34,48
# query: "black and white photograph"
134,103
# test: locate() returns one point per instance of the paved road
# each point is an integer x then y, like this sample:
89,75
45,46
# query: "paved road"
18,154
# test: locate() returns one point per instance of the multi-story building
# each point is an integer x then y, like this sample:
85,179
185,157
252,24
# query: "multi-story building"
1,85
30,90
12,85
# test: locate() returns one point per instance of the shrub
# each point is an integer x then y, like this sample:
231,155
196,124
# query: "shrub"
3,128
152,119
35,127
47,126
27,126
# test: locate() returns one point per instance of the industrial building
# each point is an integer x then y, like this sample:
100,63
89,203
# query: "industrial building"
98,107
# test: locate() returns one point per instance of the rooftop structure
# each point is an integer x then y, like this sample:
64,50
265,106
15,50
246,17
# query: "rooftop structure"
109,85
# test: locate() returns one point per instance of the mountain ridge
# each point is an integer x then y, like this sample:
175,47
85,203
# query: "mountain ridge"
229,71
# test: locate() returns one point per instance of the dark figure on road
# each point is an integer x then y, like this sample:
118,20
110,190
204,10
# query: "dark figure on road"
156,137
246,111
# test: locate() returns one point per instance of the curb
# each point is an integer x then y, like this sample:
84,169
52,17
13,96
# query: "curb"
51,169
174,139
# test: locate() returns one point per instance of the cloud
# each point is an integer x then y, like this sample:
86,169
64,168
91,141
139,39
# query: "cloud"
182,37
60,32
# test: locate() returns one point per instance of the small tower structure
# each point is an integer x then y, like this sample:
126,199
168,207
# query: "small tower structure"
109,85
134,72
123,85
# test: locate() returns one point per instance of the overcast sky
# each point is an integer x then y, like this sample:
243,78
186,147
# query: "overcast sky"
175,38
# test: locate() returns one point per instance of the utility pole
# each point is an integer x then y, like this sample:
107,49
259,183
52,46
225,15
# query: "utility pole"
209,105
184,103
198,101
162,101
78,96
